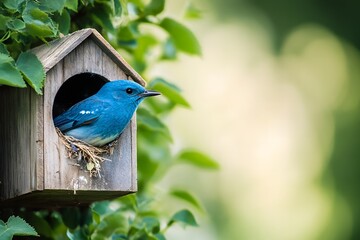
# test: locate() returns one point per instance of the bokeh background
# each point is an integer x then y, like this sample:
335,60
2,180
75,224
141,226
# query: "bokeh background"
275,100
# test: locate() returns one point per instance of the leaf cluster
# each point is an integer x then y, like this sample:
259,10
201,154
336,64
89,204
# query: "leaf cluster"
130,218
15,226
25,24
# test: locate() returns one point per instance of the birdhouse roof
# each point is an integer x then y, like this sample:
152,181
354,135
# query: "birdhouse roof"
52,53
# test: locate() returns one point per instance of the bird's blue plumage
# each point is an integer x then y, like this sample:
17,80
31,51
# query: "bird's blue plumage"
102,117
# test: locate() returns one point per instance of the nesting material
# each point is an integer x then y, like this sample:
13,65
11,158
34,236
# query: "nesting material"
87,157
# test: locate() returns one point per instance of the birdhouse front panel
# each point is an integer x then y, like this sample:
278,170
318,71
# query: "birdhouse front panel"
119,174
47,175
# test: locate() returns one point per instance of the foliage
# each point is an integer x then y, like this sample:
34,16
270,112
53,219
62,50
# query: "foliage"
111,220
15,226
23,25
137,29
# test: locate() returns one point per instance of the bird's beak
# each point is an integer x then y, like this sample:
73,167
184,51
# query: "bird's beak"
149,93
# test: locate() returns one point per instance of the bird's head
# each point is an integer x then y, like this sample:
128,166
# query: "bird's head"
125,91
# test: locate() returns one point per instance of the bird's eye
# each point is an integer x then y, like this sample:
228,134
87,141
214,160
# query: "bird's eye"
129,91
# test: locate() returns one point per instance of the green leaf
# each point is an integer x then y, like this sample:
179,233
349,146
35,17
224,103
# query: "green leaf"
151,224
33,12
149,120
101,208
126,36
9,74
102,17
52,6
192,12
77,234
72,5
185,217
16,226
114,222
117,8
3,22
154,7
186,196
145,43
96,217
4,58
145,226
119,237
13,4
32,70
15,24
159,236
183,38
38,29
63,20
137,6
198,159
39,222
37,22
169,90
127,33
169,50
70,216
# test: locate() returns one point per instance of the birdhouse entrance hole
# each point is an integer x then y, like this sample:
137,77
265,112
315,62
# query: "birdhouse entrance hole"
75,89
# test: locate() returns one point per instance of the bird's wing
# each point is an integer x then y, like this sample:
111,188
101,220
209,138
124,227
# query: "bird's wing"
82,113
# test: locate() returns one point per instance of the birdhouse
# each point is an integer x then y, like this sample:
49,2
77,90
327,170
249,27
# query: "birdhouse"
35,170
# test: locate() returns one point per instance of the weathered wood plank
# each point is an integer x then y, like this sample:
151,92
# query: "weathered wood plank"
56,168
15,142
93,57
37,141
117,174
109,69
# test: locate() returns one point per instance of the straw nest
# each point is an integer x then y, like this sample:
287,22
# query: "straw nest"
87,157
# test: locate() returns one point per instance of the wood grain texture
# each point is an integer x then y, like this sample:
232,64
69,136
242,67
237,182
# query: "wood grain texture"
37,141
20,142
55,164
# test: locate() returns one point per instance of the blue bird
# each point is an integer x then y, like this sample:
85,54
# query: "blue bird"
101,118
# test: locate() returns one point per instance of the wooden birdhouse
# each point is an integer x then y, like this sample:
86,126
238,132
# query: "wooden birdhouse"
34,167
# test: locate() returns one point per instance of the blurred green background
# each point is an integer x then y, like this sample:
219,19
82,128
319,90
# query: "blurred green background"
275,99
